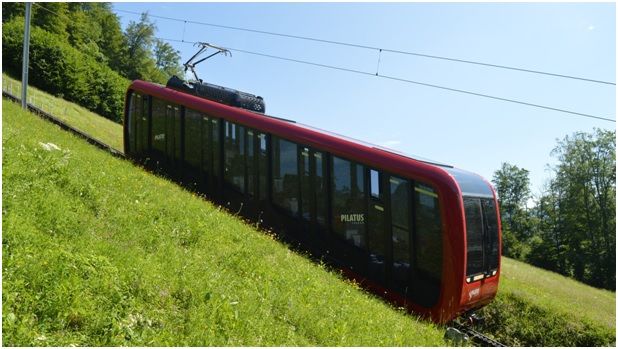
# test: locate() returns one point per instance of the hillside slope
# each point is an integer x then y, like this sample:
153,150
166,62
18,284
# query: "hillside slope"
97,252
536,307
105,130
533,306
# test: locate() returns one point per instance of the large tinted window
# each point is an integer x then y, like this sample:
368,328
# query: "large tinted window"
491,236
320,188
250,163
474,235
348,201
285,186
132,122
428,244
159,133
234,155
142,132
262,166
401,214
307,195
173,132
193,137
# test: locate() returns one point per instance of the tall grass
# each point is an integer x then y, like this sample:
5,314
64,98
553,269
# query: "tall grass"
81,118
533,306
97,252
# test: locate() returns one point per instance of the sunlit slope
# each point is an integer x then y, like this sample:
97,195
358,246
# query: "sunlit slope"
555,291
535,307
79,117
97,252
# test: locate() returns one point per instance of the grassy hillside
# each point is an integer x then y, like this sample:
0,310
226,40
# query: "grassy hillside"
81,118
97,252
536,307
533,306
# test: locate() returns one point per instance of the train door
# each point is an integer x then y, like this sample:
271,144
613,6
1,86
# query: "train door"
313,192
256,165
143,125
211,159
139,126
377,227
173,140
400,218
131,120
262,166
192,149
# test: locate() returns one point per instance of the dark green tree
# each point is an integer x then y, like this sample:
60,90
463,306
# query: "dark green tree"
11,10
167,59
513,188
140,39
112,41
578,213
52,17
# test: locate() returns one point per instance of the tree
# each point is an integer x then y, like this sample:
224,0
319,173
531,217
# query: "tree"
513,188
53,17
112,41
139,37
167,59
11,10
578,213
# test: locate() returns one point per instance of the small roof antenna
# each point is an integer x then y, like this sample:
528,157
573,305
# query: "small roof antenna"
189,65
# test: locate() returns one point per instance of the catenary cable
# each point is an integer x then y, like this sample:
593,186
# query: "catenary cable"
406,81
391,77
340,43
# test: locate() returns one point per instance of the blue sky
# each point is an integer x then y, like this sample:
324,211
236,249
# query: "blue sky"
472,133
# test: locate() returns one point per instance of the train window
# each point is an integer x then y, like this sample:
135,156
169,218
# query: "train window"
142,124
491,236
320,188
262,142
234,159
374,178
474,236
400,217
285,175
250,163
400,202
305,183
131,121
213,149
348,201
174,146
192,140
262,167
428,244
158,136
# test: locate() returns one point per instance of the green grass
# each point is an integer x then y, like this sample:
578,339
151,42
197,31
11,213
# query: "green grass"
81,118
97,252
535,307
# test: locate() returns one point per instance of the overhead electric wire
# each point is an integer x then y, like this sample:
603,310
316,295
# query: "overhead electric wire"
397,79
406,81
341,43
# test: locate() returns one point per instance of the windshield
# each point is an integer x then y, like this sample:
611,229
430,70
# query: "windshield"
481,236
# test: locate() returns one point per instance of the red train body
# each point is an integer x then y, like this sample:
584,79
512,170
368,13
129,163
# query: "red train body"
468,278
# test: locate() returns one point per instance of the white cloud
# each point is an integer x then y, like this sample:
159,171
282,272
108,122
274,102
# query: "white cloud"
591,27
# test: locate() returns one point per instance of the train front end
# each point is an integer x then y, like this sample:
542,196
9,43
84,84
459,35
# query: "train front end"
480,274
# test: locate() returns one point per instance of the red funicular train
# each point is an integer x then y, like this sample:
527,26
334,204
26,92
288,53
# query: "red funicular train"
422,234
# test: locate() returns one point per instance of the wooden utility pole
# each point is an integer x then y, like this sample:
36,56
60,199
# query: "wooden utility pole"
26,56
